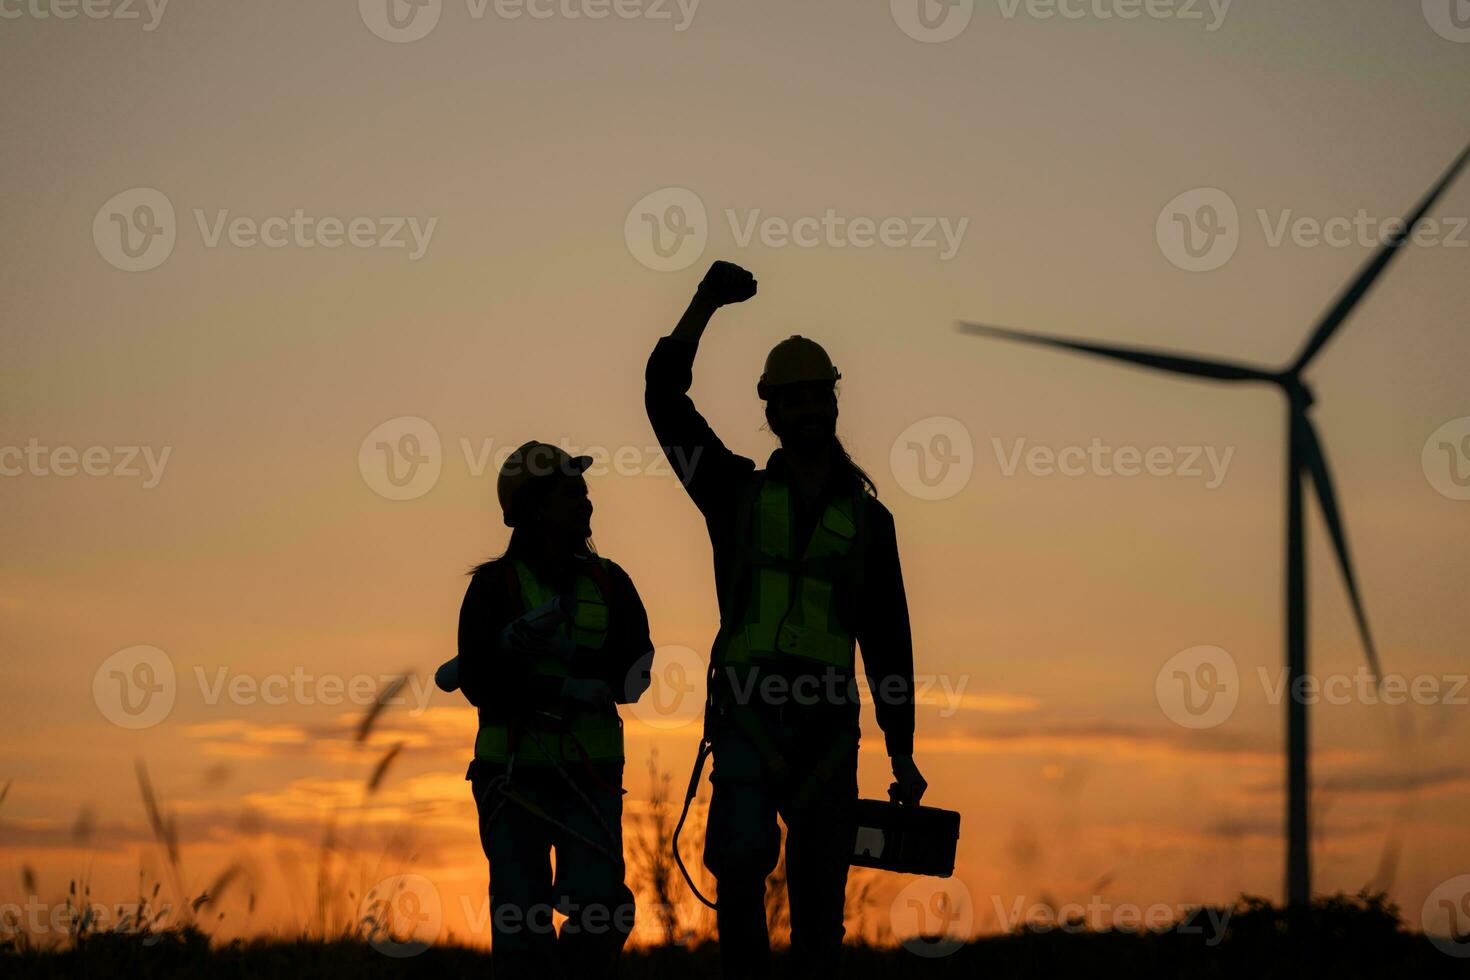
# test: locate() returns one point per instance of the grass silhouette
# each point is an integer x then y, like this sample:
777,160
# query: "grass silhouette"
1340,936
168,930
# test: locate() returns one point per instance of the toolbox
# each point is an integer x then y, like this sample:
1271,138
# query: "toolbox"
916,840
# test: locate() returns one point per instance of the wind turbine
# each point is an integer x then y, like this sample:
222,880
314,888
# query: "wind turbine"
1305,462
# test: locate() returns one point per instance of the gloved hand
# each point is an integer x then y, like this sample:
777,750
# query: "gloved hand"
447,676
518,638
909,784
587,691
536,633
727,283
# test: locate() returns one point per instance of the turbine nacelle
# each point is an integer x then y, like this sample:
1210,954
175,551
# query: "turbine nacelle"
1298,392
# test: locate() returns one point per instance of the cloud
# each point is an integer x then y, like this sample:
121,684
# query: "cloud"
1109,740
441,732
991,704
1384,782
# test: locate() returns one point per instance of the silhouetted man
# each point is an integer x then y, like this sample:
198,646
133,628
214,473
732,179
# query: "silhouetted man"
806,562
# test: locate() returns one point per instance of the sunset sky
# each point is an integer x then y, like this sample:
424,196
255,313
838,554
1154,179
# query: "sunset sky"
240,519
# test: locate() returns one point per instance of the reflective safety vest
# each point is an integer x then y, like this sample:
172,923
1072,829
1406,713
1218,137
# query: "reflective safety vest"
793,609
591,735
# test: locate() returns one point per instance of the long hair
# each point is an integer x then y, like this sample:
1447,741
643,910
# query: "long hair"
524,537
853,471
848,471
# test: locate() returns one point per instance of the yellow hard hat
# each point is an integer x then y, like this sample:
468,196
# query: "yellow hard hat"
794,360
532,460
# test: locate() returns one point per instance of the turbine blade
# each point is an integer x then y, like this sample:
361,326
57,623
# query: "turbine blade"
1316,462
1360,286
1160,360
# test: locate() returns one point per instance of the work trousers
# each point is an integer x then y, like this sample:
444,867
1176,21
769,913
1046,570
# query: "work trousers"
588,885
816,800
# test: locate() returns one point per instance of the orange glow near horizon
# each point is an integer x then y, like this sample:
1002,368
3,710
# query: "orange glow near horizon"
239,395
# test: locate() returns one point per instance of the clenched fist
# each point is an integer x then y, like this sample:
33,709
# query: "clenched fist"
727,283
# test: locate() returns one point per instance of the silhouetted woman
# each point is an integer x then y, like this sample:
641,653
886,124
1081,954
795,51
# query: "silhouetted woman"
551,638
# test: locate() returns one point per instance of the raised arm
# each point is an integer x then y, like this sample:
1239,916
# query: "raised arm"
723,284
705,466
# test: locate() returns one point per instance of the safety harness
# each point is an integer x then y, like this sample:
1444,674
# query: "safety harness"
793,610
794,606
588,737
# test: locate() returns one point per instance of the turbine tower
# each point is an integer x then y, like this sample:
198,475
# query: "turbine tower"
1305,463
